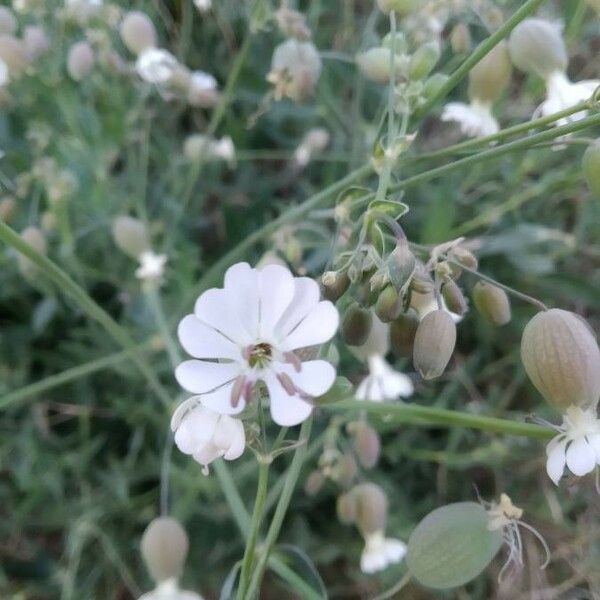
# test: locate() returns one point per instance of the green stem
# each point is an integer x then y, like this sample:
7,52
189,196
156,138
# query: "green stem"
428,415
255,523
88,305
480,52
280,510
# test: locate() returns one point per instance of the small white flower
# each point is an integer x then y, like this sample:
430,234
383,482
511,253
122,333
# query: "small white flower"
380,552
253,326
200,147
475,119
577,446
205,434
169,590
152,266
312,143
203,5
156,65
383,382
202,89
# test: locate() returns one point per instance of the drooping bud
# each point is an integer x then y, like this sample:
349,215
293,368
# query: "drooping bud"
492,302
401,265
536,46
402,334
561,356
401,7
423,60
591,167
8,22
389,304
35,238
460,38
347,507
137,31
164,548
374,64
434,343
463,256
80,61
372,506
335,284
356,325
454,298
432,85
130,235
452,545
491,75
345,470
367,444
314,483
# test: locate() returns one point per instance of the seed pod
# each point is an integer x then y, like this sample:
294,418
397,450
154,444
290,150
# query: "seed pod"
460,39
345,470
372,505
402,8
423,60
8,22
454,298
80,61
402,334
389,304
452,545
335,284
492,302
591,167
314,483
374,64
536,46
364,293
401,265
491,75
434,343
356,325
164,548
367,444
130,235
561,356
137,32
347,507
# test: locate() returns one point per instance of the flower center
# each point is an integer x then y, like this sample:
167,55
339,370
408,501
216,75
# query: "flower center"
259,355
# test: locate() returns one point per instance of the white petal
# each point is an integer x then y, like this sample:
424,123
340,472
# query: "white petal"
395,550
377,341
213,307
207,453
364,390
196,430
594,442
314,378
555,465
286,410
581,458
396,385
220,401
185,407
241,284
475,119
306,296
199,377
317,327
230,436
201,341
276,285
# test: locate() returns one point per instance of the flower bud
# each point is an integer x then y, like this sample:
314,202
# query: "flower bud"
8,206
8,22
345,470
36,42
164,548
401,265
452,545
434,343
423,60
454,298
591,167
460,39
37,240
464,257
137,31
401,7
398,42
374,64
491,75
356,325
14,54
492,302
372,505
292,23
536,46
80,61
402,334
367,444
432,85
347,507
335,284
561,356
130,235
389,304
314,483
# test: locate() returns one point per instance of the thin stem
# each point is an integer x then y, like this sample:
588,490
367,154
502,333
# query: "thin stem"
281,509
427,415
391,593
255,523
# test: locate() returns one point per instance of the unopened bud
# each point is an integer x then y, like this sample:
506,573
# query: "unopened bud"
292,23
335,284
37,240
460,39
402,334
561,356
454,298
423,60
401,265
536,46
432,85
8,22
398,42
367,444
36,41
345,470
389,304
492,302
164,548
464,257
491,75
372,505
347,507
356,325
14,54
434,343
137,32
401,7
374,64
130,235
314,483
591,167
8,206
80,61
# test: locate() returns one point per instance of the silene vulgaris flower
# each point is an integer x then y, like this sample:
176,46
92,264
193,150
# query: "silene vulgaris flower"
249,332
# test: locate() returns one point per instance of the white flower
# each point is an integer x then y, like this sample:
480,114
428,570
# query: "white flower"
379,552
205,434
253,326
152,266
156,65
475,119
577,446
198,147
202,89
561,93
203,5
383,383
169,590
